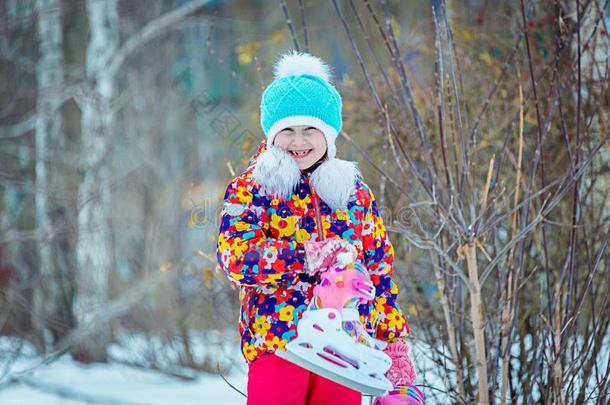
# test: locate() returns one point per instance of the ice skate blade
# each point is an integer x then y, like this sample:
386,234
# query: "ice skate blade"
331,375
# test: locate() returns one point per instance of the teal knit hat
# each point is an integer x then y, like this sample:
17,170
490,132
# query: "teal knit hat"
301,94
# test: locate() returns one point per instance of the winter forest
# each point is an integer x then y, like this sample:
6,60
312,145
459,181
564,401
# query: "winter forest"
483,127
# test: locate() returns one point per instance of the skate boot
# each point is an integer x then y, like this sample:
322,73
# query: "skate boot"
335,254
331,341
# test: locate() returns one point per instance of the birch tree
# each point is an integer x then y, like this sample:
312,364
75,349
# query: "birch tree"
16,161
49,300
93,252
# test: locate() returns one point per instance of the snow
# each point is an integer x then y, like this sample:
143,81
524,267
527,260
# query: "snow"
118,384
65,381
121,385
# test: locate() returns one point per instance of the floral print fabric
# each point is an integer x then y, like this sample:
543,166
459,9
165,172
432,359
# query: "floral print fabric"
260,249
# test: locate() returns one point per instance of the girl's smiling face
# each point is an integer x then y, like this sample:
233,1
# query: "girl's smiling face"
306,144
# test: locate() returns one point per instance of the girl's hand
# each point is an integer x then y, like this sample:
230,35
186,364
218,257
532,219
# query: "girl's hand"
319,256
401,374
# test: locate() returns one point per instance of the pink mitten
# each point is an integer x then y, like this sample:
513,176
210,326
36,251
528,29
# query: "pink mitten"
321,255
401,374
402,371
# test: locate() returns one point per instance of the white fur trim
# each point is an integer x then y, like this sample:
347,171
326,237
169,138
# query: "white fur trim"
277,172
329,132
295,63
344,258
335,182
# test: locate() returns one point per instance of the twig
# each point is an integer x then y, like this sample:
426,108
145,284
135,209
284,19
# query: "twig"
225,380
149,31
290,26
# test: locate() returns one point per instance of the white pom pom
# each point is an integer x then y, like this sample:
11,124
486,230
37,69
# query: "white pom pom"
334,180
277,172
299,63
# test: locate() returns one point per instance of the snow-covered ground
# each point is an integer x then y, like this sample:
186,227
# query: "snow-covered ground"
65,381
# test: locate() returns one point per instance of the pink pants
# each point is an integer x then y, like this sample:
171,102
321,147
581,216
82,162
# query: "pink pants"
275,381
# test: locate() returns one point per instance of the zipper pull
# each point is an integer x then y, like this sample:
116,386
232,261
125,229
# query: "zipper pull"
319,225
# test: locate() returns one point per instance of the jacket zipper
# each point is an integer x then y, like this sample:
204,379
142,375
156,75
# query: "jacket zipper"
316,205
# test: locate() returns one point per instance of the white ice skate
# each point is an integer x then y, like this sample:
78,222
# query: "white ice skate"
324,348
331,340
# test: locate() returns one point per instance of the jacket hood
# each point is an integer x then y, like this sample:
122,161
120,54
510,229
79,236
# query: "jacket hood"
278,174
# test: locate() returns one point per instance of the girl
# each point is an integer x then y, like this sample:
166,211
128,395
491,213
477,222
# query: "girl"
294,191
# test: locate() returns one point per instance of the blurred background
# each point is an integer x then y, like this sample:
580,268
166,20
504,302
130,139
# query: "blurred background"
481,126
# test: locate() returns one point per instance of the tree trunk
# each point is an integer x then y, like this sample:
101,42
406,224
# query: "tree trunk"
94,250
453,346
478,321
51,313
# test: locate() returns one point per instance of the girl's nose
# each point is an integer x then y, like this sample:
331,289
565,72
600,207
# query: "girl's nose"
298,138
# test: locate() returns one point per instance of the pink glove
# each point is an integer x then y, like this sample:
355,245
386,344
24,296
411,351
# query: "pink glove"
401,374
402,371
321,255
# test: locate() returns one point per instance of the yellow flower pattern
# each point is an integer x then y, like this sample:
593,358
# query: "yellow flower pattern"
380,304
276,343
302,235
301,203
249,351
395,319
284,226
342,215
286,313
261,326
239,246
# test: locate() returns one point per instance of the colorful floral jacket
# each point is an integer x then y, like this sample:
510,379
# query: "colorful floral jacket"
260,249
